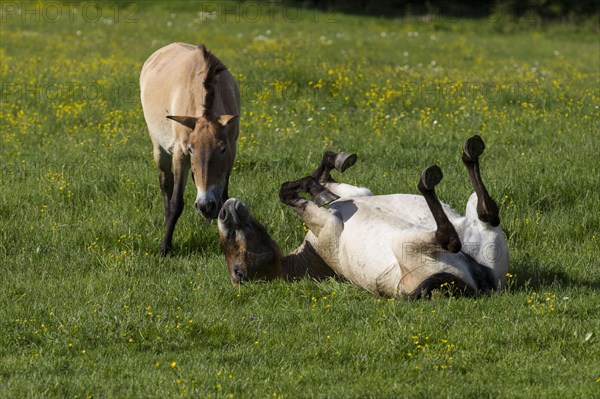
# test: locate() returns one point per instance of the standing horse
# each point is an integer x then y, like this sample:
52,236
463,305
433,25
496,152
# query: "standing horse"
398,245
191,105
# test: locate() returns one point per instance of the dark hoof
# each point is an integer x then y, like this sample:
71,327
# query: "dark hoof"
291,190
430,177
324,197
286,192
344,160
473,148
489,216
164,250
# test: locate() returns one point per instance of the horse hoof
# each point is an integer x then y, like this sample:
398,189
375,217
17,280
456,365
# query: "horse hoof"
344,160
489,217
473,148
324,197
431,177
164,250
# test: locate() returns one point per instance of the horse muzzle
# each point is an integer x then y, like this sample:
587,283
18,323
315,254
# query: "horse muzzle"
233,212
208,204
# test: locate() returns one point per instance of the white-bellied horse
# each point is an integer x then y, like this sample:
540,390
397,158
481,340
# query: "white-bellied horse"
398,245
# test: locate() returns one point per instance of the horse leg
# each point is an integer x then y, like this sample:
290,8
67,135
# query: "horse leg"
290,191
181,167
164,161
446,234
310,212
340,162
487,209
332,160
417,250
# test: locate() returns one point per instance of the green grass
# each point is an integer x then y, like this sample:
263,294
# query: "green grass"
89,309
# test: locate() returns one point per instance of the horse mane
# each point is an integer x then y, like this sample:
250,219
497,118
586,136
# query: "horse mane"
213,68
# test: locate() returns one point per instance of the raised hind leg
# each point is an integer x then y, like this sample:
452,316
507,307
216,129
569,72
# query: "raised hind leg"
487,209
446,234
417,251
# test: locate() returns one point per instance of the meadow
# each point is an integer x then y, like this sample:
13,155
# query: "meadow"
89,309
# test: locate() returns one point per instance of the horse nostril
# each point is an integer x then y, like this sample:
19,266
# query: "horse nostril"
223,214
210,206
239,274
239,207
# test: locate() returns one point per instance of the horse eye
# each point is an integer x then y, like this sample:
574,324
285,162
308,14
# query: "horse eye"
190,149
223,149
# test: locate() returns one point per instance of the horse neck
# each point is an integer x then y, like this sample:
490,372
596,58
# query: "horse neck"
303,262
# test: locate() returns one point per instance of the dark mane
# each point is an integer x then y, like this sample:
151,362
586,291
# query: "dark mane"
214,67
453,285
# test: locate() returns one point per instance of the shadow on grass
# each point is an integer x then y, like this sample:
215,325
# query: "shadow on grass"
199,244
530,274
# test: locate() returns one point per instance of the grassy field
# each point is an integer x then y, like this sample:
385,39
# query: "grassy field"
89,309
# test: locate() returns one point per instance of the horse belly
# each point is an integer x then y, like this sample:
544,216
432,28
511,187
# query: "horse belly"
366,259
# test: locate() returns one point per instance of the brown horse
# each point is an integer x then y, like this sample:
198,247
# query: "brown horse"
398,245
191,105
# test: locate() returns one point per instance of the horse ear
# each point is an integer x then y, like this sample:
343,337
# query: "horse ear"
187,121
225,120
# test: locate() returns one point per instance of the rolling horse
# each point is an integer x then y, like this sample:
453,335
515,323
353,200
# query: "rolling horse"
191,105
398,245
